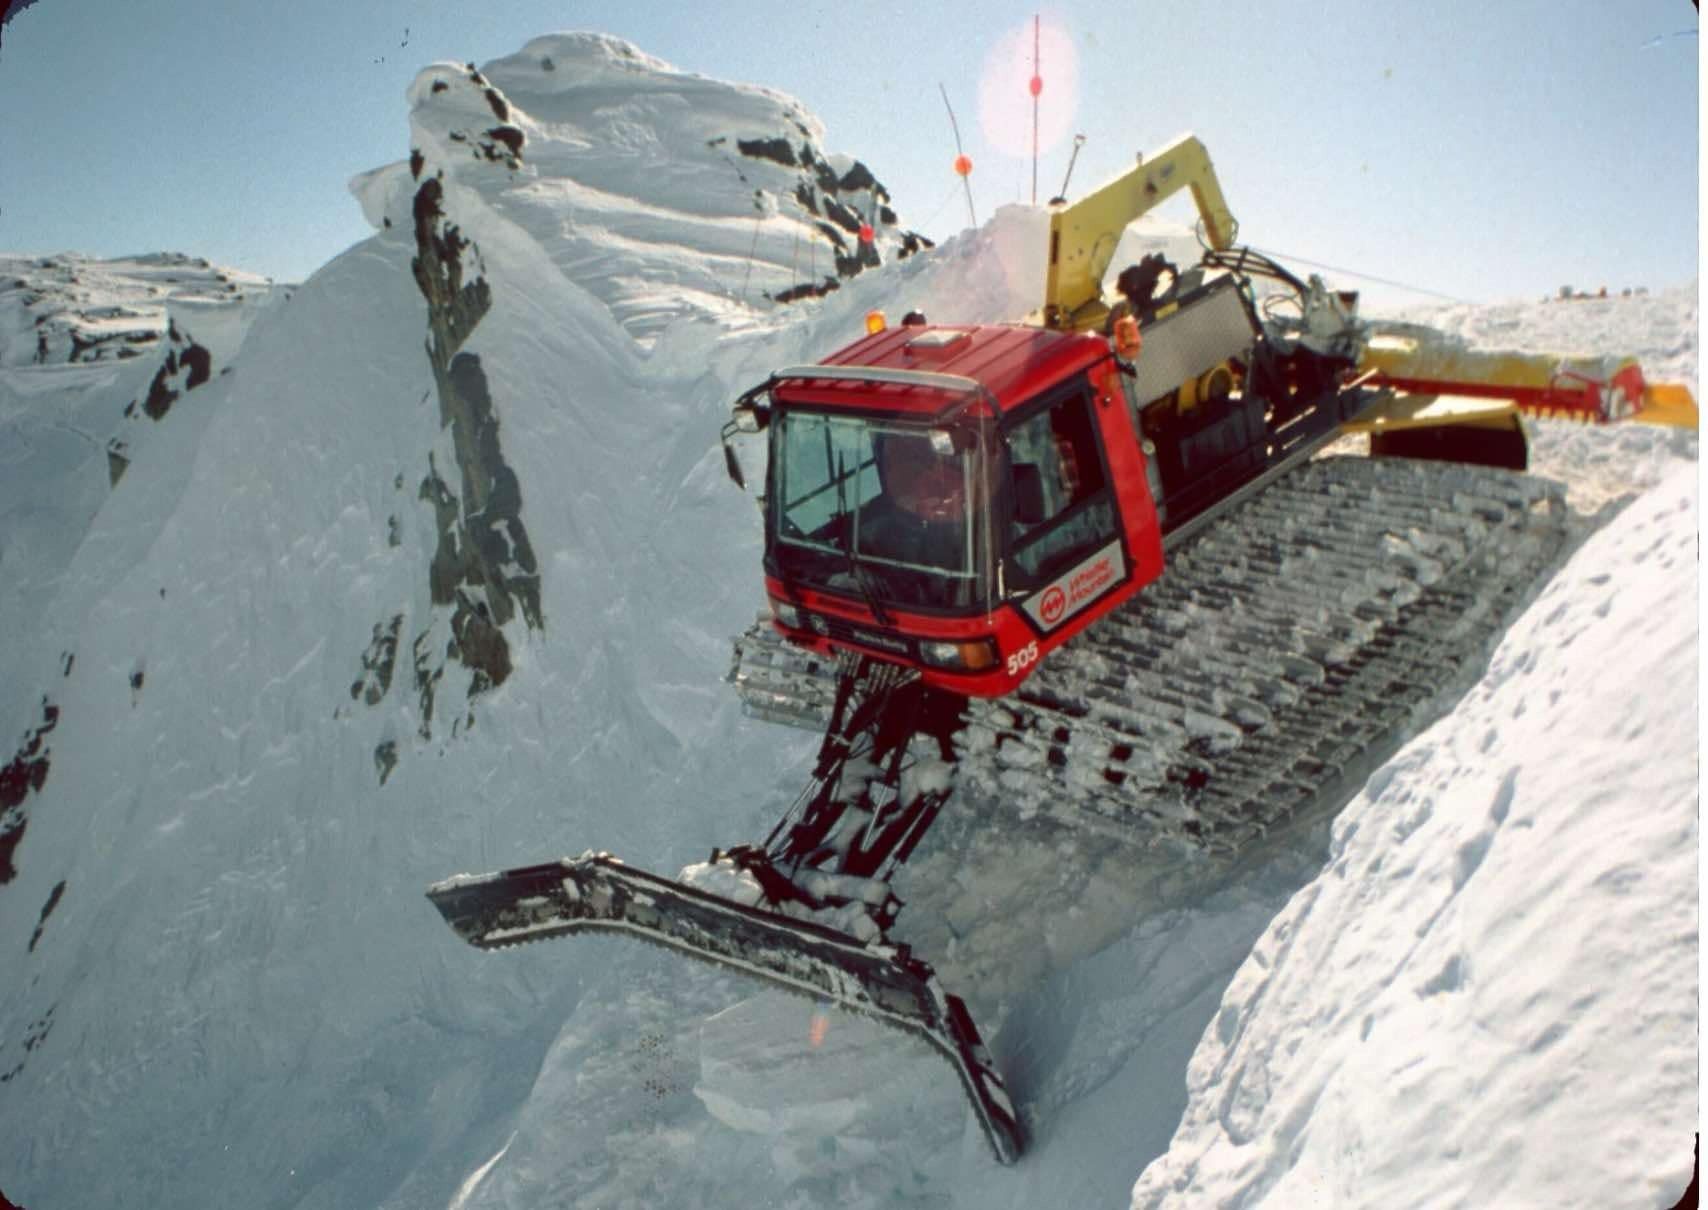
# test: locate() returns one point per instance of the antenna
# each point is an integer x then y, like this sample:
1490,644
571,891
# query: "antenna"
963,162
1036,84
1078,142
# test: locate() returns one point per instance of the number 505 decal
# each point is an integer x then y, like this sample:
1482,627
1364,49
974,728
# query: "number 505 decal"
1024,658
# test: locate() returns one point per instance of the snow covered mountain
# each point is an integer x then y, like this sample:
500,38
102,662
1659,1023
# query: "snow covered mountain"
441,575
665,194
94,354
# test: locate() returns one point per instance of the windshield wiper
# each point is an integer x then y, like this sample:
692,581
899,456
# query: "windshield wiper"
855,571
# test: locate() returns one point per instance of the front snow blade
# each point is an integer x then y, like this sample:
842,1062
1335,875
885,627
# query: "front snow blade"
597,892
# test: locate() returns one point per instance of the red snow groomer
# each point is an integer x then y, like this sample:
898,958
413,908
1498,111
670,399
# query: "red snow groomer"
945,507
960,501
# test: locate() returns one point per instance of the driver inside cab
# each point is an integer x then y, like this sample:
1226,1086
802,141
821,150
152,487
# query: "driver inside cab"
921,515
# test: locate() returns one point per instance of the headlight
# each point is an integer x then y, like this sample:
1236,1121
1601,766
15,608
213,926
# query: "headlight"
787,614
965,656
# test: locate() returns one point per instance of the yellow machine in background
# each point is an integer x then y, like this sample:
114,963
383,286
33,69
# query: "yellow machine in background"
1596,390
1446,400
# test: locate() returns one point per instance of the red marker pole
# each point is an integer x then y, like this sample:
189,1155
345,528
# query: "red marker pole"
1037,86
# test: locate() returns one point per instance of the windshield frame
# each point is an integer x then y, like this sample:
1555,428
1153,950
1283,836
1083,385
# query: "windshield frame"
842,560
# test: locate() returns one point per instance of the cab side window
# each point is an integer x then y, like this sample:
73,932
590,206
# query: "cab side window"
1062,506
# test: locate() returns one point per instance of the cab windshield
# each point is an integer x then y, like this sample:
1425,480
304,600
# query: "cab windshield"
881,510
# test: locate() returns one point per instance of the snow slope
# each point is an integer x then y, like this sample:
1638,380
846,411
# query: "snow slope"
1497,966
93,356
441,576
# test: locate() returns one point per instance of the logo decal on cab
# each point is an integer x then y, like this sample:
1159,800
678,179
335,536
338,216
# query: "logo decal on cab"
1077,588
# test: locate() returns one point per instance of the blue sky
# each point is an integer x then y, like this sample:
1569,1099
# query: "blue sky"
1479,149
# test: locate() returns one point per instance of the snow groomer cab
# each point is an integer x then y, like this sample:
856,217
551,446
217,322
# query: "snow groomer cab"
957,500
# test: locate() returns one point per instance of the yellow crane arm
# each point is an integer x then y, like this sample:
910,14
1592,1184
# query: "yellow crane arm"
1083,236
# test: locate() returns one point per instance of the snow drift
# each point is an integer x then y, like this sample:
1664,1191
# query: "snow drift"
1498,964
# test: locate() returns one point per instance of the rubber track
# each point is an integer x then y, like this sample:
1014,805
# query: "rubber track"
1286,647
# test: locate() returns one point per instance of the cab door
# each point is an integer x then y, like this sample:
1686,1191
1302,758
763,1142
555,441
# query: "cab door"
1082,530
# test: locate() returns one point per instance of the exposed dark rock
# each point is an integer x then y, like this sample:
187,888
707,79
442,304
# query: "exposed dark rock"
428,673
833,235
807,290
47,910
859,179
865,257
35,1033
385,759
822,172
512,139
183,357
24,775
12,825
480,645
416,160
500,107
453,307
842,216
822,192
483,567
160,396
378,662
776,150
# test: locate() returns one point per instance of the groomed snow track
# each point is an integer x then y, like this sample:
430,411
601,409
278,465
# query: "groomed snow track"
1286,648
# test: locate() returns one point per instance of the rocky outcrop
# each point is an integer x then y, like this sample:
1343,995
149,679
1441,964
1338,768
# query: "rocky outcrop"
483,573
70,309
23,775
664,194
850,209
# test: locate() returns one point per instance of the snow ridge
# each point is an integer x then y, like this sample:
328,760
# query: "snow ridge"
665,194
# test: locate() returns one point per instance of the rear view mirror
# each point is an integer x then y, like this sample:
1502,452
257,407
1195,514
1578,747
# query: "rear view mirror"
733,465
746,420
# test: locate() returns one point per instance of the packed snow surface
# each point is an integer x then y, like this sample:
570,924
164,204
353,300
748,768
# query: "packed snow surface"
1489,991
252,727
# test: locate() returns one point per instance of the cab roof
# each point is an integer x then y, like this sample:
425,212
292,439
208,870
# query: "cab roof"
1012,362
